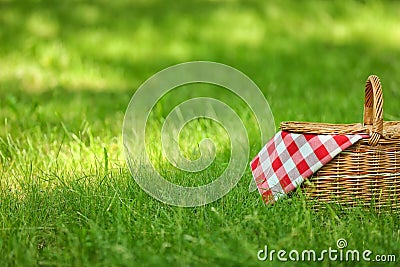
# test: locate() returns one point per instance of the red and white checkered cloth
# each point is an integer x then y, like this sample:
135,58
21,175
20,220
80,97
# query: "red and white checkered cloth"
289,158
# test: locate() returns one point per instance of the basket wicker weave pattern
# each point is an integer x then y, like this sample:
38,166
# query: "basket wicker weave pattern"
367,172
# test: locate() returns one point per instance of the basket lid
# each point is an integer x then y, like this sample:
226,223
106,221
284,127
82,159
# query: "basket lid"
391,129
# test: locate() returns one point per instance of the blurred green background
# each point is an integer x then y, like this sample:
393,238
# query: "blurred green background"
68,70
94,50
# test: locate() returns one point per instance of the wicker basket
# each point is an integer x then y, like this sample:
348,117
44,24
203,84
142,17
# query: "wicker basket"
367,173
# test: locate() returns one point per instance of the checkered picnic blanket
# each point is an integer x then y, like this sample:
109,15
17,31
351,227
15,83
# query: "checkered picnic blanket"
289,158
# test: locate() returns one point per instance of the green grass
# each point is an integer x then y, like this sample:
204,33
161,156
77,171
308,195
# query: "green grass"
67,73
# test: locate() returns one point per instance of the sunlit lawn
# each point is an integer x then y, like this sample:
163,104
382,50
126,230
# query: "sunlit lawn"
68,71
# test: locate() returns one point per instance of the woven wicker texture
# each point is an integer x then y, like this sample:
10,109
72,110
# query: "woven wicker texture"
365,173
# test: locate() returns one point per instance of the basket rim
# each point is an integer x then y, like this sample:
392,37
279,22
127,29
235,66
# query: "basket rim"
391,129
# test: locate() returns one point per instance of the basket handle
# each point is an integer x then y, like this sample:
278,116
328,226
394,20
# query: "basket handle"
373,109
